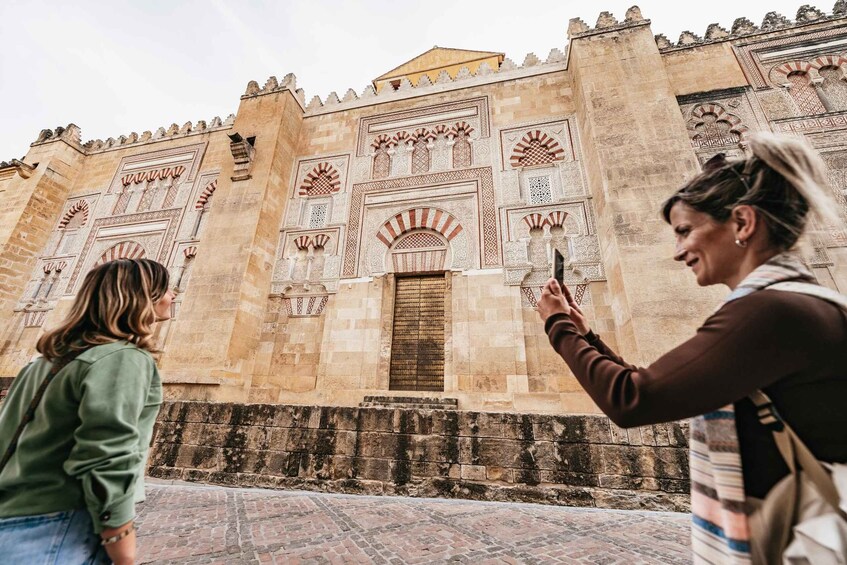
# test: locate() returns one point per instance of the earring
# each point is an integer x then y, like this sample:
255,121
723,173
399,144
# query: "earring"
740,243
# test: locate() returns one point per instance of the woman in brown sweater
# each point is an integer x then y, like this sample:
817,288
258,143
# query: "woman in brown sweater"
734,224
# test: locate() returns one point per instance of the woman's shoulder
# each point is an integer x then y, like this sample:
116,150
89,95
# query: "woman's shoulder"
788,309
114,350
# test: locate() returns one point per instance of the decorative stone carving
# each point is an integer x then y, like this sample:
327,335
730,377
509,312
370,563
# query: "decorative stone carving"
774,20
808,13
689,38
242,153
71,134
743,26
24,170
633,15
715,31
606,19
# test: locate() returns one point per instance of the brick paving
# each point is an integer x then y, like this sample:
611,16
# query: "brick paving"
189,523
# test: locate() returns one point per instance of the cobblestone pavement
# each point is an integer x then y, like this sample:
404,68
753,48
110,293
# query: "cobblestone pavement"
187,523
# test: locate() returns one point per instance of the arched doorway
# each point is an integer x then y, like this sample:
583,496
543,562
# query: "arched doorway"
417,345
419,255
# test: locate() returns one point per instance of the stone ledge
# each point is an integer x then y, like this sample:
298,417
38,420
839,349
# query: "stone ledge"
582,460
426,403
556,495
191,380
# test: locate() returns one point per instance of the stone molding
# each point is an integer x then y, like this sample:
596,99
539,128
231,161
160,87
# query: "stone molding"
137,162
380,126
750,53
171,216
811,124
490,252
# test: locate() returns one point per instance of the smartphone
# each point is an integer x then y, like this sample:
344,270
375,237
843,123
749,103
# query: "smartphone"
557,269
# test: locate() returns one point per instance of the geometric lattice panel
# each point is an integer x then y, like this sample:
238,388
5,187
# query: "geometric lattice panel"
317,215
804,94
419,240
539,190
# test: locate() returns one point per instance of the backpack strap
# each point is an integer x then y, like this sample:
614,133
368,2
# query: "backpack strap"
56,366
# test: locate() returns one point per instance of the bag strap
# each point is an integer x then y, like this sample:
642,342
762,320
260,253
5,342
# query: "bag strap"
810,289
794,451
57,366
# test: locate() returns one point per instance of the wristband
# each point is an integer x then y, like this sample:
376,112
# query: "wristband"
118,537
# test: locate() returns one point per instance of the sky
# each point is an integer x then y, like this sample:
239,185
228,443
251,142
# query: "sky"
118,67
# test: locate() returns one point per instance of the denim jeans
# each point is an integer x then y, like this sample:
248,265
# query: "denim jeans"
59,538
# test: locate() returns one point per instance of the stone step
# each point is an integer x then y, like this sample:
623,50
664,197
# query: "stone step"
426,403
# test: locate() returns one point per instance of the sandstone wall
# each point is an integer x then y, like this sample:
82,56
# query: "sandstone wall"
263,318
565,460
638,152
703,68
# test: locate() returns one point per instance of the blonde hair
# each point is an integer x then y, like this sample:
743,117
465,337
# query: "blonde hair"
116,302
784,180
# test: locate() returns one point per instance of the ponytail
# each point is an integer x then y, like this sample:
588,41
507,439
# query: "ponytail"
798,163
784,180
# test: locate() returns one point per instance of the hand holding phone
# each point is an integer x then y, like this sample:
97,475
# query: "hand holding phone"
557,269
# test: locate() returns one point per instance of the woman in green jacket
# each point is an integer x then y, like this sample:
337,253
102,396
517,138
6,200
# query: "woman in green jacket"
69,487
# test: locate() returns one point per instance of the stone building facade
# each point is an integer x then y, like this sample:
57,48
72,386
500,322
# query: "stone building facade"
397,239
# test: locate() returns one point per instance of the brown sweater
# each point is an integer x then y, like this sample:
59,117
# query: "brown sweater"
793,346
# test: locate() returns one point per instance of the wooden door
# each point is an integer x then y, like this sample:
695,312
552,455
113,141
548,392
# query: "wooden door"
417,345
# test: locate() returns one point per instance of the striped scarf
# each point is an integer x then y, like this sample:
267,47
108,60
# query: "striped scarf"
719,529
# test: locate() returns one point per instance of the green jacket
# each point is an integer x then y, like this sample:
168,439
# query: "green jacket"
87,445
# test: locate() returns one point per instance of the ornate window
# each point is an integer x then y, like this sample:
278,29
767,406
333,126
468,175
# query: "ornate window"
147,195
536,148
323,179
76,221
420,156
123,201
712,126
382,164
462,154
173,187
75,218
48,268
804,93
834,87
382,158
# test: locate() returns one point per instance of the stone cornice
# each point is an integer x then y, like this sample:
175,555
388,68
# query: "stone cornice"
606,23
557,61
742,28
